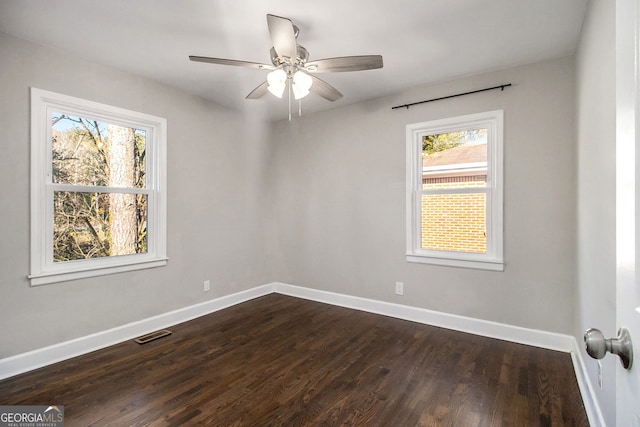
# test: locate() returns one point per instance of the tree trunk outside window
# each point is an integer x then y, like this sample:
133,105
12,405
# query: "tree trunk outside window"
122,213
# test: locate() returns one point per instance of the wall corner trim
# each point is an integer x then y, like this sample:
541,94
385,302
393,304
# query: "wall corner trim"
587,391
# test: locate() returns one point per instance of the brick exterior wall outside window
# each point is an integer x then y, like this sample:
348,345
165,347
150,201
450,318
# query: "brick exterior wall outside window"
454,222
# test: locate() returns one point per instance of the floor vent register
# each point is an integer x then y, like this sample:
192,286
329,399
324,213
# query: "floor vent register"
152,336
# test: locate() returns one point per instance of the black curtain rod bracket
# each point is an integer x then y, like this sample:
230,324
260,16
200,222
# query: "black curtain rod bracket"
501,87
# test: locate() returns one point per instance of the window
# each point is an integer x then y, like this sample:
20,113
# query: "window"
98,189
454,191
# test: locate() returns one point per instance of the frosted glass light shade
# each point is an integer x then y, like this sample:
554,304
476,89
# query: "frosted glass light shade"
277,80
301,84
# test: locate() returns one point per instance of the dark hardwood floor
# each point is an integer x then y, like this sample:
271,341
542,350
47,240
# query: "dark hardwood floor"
283,361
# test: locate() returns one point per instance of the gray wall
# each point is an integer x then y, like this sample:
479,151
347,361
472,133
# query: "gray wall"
317,202
340,200
596,129
216,184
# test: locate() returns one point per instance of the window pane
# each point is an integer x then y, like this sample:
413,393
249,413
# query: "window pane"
95,225
454,159
453,222
91,152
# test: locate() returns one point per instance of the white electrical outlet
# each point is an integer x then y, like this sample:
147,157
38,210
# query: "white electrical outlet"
399,288
207,286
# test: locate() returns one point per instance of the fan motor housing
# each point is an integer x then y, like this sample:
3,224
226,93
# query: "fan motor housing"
301,58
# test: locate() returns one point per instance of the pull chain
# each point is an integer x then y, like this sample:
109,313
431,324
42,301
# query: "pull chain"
289,81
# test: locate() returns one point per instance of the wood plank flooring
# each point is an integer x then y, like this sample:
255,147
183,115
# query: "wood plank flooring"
283,361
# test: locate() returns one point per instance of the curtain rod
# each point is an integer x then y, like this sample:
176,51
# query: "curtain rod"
501,87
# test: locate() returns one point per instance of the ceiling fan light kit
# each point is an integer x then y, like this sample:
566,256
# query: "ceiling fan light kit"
291,66
300,83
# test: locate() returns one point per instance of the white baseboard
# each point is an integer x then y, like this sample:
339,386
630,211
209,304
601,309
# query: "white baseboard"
537,338
594,413
38,358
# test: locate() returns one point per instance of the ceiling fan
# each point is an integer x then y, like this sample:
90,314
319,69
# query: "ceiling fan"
291,66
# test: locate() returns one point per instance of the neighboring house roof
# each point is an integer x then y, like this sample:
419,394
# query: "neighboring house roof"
462,154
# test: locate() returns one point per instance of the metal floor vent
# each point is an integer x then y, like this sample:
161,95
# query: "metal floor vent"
152,336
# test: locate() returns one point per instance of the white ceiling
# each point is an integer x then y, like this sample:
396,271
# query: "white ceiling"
421,41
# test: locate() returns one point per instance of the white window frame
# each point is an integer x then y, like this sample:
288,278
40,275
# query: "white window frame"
43,269
492,259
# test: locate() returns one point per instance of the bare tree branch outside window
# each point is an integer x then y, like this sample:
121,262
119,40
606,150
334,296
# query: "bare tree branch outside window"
105,221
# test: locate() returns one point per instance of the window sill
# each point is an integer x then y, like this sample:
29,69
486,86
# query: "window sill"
492,265
65,276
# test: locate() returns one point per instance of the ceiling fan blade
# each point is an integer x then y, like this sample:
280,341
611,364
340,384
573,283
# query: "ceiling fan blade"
283,36
344,63
324,89
259,92
222,61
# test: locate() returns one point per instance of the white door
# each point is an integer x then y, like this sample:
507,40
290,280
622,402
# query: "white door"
628,204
